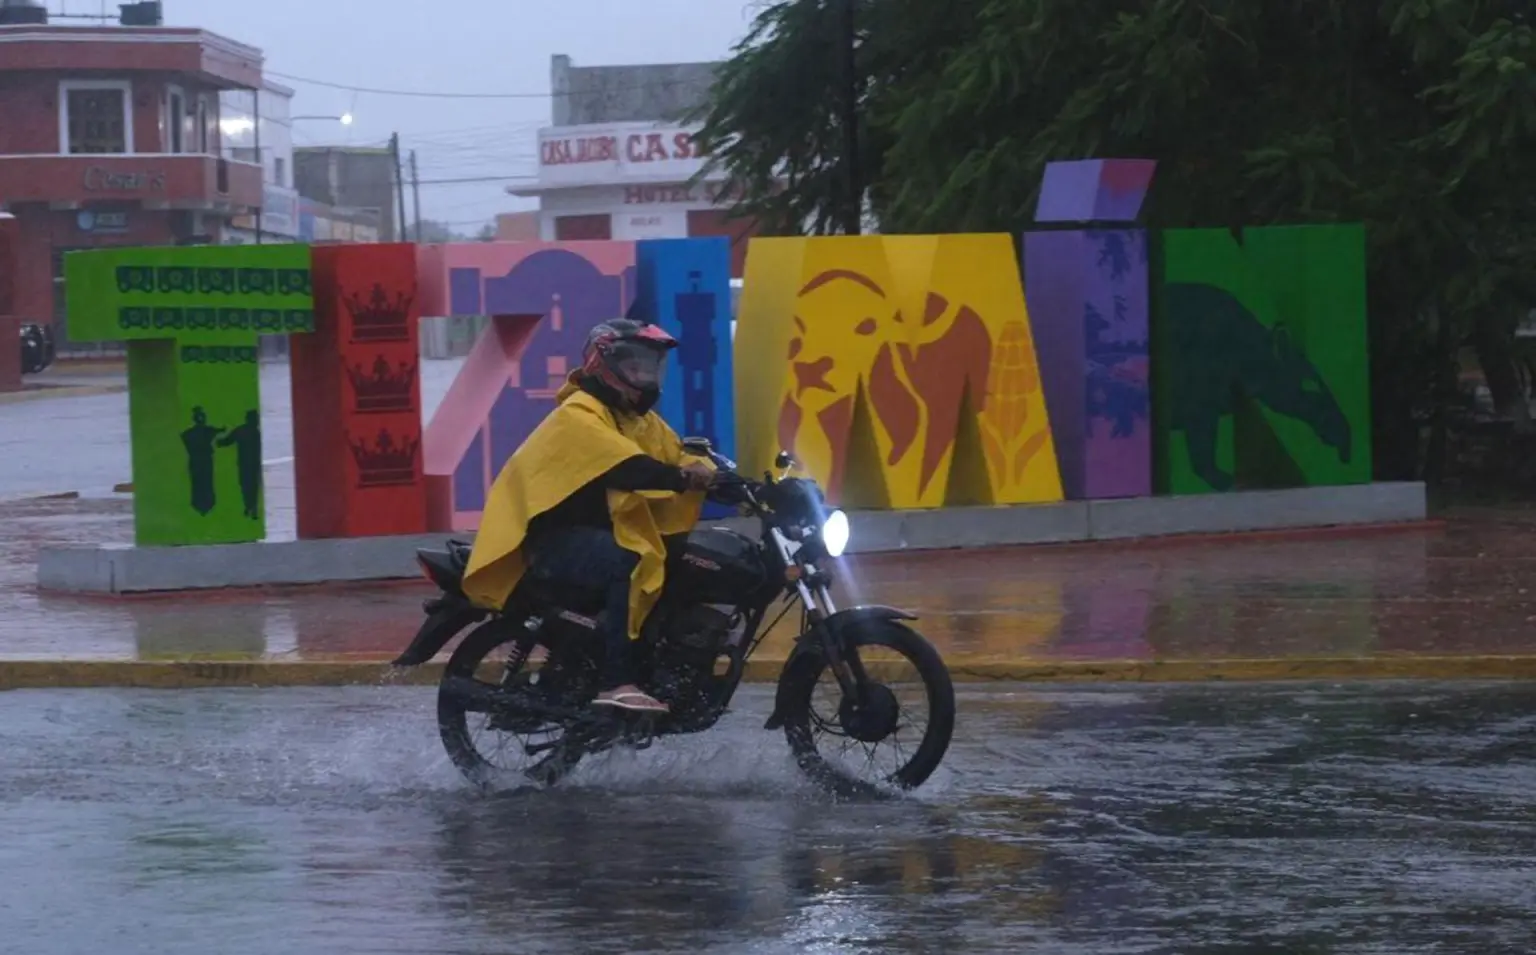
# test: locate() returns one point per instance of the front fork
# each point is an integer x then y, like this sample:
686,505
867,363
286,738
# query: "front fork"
819,607
814,593
842,658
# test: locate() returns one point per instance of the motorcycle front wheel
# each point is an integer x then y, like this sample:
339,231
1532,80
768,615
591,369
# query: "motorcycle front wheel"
908,712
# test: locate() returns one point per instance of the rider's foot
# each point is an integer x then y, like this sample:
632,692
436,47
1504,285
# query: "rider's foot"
630,697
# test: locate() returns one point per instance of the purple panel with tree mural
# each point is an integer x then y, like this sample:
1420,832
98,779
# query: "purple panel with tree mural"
1088,292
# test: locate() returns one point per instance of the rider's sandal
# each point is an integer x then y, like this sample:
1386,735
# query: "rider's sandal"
635,702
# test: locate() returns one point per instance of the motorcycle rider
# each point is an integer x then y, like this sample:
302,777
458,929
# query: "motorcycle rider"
590,495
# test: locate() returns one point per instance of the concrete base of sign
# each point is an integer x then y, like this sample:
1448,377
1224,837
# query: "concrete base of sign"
126,569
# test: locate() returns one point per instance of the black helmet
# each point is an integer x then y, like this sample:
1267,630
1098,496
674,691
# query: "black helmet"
627,359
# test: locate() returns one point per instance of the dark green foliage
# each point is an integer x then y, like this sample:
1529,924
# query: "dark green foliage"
1417,117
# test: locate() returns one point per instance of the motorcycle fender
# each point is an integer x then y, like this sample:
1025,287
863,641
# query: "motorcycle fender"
807,649
444,621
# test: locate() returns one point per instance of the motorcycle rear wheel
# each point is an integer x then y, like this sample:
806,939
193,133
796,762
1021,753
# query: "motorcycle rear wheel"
802,720
453,719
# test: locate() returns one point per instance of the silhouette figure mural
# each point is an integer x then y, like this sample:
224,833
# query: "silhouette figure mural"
543,299
357,374
1088,293
192,317
246,440
696,354
684,285
198,441
1262,346
909,376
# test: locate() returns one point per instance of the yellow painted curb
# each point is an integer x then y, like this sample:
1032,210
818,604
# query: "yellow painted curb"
188,674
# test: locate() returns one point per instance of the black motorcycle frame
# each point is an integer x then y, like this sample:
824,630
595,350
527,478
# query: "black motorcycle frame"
791,512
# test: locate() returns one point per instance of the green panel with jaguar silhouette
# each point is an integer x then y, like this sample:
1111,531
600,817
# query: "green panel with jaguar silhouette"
1260,373
192,317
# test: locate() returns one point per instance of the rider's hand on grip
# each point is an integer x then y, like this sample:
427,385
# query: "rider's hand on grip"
698,476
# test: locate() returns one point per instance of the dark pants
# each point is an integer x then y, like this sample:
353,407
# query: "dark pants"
591,555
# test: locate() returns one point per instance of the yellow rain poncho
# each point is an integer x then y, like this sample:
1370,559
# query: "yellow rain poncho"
578,442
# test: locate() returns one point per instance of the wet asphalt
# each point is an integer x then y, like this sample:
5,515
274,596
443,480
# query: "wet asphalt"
1368,818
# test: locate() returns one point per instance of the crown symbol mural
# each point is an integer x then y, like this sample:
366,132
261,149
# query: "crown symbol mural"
386,389
382,318
386,463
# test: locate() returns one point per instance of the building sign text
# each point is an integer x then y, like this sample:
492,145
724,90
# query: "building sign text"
98,179
632,148
713,193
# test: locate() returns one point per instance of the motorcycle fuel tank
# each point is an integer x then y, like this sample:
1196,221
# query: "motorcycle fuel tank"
719,566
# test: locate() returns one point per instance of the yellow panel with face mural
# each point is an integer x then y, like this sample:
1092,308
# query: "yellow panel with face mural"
899,369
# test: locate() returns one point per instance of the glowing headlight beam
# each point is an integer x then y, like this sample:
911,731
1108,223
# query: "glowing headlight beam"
834,533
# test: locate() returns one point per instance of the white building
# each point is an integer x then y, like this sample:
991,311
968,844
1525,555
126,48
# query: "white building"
631,180
280,202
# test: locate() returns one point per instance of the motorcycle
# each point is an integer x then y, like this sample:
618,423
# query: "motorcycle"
37,348
692,652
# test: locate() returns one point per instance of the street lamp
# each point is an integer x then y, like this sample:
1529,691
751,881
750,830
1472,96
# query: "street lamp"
344,119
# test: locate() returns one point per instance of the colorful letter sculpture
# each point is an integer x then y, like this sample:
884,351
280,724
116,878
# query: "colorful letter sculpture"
1260,348
909,377
191,316
10,356
685,287
543,299
357,397
1087,293
1094,190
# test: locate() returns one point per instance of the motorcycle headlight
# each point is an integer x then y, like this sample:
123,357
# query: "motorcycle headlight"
834,534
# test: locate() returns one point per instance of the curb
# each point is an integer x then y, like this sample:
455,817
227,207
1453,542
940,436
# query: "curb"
40,496
60,391
192,674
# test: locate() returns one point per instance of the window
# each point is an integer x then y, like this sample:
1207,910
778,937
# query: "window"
175,119
575,228
95,117
279,171
202,124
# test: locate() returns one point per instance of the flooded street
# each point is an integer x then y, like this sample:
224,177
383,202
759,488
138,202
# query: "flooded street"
1381,818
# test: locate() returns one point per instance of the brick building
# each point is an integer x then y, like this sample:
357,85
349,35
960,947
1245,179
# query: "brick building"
111,136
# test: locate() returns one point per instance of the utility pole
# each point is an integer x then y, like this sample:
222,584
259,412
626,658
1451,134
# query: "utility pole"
854,213
261,160
394,151
416,194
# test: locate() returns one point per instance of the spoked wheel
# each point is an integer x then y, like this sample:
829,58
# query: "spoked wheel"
487,746
899,733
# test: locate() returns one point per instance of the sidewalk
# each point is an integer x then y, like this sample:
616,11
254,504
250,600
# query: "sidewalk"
74,438
1441,602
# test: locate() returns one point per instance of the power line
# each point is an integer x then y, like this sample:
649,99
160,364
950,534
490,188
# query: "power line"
431,95
471,179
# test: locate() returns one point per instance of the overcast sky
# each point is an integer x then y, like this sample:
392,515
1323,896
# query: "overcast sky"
452,46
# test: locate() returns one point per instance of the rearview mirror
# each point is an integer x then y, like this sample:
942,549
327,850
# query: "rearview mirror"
698,446
784,461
